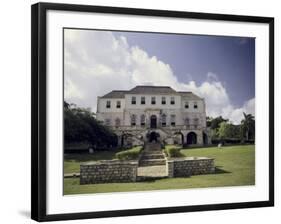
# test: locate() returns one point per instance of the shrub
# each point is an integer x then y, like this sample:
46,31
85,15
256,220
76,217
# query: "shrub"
173,152
130,154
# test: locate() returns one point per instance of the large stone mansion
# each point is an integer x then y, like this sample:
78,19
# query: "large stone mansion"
154,113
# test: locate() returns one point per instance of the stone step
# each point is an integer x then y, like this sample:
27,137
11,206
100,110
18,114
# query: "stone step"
153,146
153,156
152,151
152,162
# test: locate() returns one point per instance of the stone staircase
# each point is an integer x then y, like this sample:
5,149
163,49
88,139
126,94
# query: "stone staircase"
152,155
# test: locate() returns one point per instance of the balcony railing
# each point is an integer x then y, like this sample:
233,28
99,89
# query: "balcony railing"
167,127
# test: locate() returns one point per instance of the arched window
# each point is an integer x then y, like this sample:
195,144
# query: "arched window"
117,122
163,120
133,120
173,119
142,120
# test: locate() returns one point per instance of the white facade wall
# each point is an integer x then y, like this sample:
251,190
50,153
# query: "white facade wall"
148,105
127,109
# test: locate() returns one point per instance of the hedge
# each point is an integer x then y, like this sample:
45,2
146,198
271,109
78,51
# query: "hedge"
130,154
173,152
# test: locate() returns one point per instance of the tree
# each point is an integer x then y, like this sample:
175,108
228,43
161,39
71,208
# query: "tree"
80,126
228,131
248,126
223,130
215,123
208,121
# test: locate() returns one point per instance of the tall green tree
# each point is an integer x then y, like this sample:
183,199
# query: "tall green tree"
248,126
80,125
215,122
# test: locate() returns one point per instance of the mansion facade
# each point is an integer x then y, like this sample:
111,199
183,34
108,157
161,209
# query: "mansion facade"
154,113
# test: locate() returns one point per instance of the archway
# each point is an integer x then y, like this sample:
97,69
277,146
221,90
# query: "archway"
114,140
205,138
182,137
191,138
153,136
153,121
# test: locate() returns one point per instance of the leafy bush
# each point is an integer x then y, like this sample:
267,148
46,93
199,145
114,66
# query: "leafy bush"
173,152
130,154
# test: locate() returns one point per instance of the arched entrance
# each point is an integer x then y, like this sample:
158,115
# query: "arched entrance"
181,138
191,138
153,136
114,140
153,121
205,138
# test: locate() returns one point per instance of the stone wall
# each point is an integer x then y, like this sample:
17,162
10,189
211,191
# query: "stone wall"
184,167
108,171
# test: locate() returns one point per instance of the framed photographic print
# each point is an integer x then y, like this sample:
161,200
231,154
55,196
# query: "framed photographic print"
139,111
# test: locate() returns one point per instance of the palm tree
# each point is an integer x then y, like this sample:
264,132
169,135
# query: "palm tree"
248,124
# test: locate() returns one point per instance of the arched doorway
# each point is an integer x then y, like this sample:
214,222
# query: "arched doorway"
153,121
205,138
114,140
191,138
181,138
153,136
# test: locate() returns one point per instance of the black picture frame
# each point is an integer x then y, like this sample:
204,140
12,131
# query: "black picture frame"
39,107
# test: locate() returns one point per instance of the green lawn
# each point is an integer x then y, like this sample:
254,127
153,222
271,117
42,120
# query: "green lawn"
72,161
235,166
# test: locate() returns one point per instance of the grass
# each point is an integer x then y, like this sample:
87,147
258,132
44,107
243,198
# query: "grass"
72,161
235,166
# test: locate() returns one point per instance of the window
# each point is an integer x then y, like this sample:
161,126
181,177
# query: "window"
107,122
133,100
142,100
195,106
153,100
163,100
186,105
142,120
172,100
163,120
173,120
117,122
133,120
186,121
118,104
108,104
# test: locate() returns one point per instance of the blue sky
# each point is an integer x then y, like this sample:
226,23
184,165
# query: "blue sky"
191,57
218,68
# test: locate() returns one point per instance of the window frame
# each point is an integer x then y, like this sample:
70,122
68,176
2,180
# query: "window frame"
108,104
134,100
142,100
172,100
153,100
118,104
163,100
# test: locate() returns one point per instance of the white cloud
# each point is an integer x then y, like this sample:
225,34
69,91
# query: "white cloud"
97,62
